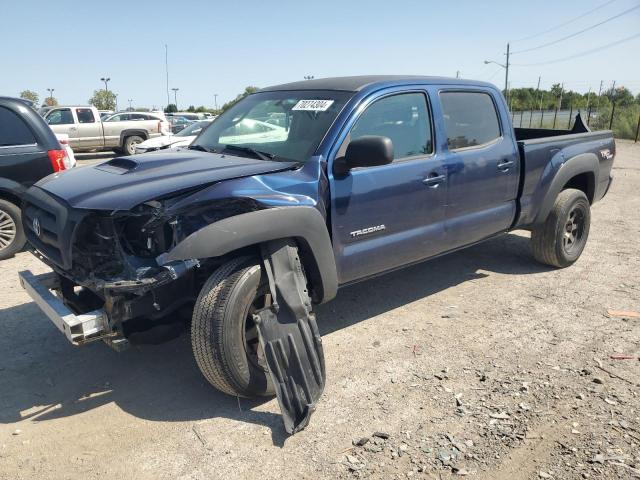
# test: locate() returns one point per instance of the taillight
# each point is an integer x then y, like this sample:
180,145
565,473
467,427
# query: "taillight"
57,159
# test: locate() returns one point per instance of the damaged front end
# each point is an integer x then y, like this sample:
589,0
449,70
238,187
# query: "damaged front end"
107,261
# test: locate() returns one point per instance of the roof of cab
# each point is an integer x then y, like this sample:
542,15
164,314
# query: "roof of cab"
358,83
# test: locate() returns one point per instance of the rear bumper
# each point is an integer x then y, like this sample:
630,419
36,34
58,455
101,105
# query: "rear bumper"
78,328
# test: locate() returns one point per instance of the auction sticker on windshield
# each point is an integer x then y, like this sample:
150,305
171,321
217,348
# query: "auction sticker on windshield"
313,105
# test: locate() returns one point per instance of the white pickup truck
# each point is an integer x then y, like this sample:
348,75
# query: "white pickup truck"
120,132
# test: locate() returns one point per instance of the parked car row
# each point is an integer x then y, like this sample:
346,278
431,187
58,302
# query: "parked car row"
120,132
181,139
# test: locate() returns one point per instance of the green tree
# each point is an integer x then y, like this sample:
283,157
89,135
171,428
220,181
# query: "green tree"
556,90
50,102
191,108
231,103
30,95
171,108
103,100
622,96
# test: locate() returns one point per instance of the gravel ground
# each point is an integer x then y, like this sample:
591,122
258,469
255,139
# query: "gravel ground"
481,363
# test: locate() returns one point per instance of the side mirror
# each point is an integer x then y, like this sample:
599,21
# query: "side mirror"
369,151
365,151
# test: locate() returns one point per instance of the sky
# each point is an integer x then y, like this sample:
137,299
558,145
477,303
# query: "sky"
222,47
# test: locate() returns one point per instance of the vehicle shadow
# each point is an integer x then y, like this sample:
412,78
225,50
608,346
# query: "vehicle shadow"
44,378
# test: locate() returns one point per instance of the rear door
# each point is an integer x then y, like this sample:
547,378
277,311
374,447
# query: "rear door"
390,215
62,120
482,166
89,128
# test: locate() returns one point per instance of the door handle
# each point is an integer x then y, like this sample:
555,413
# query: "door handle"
433,180
504,165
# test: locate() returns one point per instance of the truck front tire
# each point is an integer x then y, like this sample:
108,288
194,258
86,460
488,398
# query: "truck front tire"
12,237
560,240
223,337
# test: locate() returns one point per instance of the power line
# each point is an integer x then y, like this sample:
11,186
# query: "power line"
579,32
581,54
565,23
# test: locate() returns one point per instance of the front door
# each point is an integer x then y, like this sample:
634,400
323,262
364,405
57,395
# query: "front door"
482,165
387,216
61,120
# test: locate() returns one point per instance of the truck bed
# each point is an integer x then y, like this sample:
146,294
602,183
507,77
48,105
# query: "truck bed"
544,151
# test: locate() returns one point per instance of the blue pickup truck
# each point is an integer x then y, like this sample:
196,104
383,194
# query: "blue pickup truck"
293,192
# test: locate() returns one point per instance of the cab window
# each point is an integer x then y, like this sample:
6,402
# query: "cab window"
470,119
404,118
85,115
62,116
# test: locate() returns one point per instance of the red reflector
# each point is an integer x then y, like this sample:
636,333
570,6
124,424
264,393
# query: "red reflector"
57,159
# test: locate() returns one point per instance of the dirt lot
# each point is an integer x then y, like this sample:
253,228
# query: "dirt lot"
480,363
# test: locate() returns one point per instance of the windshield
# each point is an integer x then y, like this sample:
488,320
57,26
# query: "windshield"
287,125
193,129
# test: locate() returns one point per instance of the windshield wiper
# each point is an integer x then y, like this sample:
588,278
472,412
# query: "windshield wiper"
202,149
252,151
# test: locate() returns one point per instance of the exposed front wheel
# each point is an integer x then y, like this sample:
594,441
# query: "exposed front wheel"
224,337
12,237
560,240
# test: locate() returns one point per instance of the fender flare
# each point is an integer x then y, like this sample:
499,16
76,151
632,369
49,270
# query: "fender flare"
583,163
132,131
304,224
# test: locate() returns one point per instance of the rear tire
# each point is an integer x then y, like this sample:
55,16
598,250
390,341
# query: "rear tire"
560,240
130,144
12,237
223,336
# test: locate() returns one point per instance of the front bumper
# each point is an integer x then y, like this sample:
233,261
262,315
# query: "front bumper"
78,328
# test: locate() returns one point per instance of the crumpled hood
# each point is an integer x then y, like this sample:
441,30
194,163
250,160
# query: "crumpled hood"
124,182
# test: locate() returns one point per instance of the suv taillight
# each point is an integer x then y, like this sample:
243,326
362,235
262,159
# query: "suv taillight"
57,159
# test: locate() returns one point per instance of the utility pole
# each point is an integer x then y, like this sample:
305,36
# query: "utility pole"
506,75
130,100
457,73
166,68
175,97
215,100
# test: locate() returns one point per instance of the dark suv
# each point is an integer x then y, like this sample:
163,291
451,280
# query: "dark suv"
29,151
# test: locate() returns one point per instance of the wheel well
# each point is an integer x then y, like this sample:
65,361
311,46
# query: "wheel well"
309,263
10,197
584,182
132,133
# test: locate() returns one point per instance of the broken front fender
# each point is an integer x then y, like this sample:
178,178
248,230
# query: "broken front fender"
304,224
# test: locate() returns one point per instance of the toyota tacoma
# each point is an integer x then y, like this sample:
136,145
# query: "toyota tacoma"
244,233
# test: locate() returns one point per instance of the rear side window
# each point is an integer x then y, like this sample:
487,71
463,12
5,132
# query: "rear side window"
62,116
404,118
85,115
470,119
13,130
